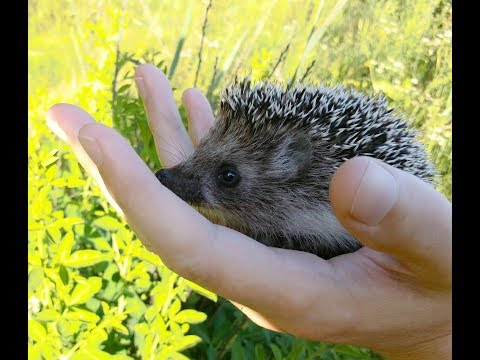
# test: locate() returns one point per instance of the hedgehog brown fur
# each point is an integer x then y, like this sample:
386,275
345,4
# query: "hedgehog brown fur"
265,167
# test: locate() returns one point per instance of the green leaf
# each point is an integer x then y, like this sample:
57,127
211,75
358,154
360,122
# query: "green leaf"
32,225
276,352
73,181
107,223
123,88
101,243
68,327
142,328
49,161
91,352
142,285
190,316
34,259
237,351
35,277
175,356
50,173
176,330
55,234
49,351
140,271
53,152
34,352
59,182
297,350
105,307
82,315
83,258
200,290
120,239
186,342
159,326
146,255
84,291
174,308
36,331
185,327
47,315
65,246
119,327
259,352
347,350
68,221
63,272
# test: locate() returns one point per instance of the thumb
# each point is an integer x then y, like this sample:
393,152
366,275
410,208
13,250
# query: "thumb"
396,213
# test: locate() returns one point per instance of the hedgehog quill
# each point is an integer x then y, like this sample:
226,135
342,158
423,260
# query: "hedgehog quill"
265,166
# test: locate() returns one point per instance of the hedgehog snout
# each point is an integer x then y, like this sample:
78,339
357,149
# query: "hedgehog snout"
164,175
188,189
166,178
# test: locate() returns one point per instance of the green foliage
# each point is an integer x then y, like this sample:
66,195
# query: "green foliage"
94,291
227,333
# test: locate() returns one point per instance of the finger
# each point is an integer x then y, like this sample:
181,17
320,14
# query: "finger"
199,114
276,283
65,121
395,212
171,138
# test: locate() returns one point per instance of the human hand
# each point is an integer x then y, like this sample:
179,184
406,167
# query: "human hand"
393,295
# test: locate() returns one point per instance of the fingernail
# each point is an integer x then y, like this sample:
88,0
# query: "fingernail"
92,148
57,130
140,86
53,125
375,196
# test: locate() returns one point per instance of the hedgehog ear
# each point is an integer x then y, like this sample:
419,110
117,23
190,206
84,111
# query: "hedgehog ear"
294,155
300,150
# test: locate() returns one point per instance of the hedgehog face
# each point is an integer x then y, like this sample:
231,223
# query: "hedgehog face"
265,166
237,182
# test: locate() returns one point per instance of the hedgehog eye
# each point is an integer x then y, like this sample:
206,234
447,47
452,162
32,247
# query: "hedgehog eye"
228,176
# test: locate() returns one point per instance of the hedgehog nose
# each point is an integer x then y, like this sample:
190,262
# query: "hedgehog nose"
164,175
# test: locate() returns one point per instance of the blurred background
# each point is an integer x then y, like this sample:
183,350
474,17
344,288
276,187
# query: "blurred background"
94,291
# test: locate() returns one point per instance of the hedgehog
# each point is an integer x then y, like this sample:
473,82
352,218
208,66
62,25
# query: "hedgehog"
265,166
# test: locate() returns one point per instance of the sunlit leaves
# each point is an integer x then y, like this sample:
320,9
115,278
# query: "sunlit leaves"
47,315
35,277
187,342
36,331
64,275
190,316
202,291
67,327
83,258
85,290
82,315
65,247
107,223
70,182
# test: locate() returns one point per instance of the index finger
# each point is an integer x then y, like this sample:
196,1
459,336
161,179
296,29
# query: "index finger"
65,121
171,138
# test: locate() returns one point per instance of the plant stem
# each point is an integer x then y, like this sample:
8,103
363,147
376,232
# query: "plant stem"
280,59
233,335
204,27
117,60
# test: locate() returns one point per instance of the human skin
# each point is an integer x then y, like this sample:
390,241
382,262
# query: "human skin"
392,296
